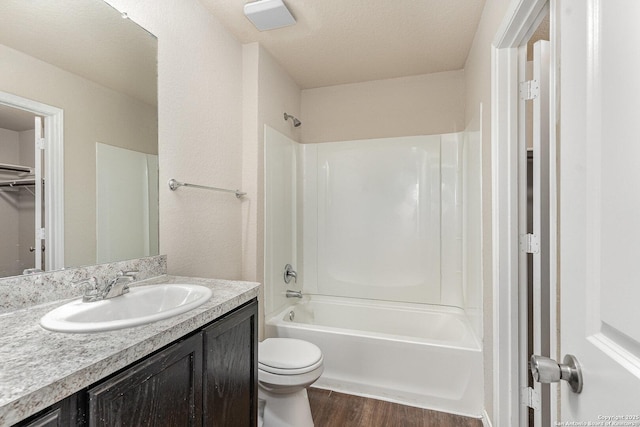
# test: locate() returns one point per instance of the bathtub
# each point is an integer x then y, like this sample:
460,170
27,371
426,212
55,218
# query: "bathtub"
424,356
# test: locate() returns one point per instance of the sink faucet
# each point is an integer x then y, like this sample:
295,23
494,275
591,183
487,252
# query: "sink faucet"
120,284
117,286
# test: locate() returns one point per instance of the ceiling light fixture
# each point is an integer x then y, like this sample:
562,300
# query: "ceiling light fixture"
268,14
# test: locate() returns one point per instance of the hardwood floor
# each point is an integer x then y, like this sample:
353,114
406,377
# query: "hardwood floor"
333,409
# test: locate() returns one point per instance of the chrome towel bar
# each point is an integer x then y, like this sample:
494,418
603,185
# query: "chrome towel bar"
173,185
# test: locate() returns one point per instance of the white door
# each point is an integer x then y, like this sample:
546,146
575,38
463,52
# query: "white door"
541,252
39,230
599,224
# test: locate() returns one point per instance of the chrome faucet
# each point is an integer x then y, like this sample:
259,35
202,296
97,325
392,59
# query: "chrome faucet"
289,272
293,294
120,284
117,286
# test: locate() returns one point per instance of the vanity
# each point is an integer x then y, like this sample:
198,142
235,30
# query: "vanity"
195,368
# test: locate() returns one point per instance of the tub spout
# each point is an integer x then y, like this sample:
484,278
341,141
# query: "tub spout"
294,294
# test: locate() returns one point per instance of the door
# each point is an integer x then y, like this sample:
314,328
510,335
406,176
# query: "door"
599,208
39,230
539,242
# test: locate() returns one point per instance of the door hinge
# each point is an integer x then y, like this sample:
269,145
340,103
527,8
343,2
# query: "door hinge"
529,243
530,397
40,143
529,90
40,234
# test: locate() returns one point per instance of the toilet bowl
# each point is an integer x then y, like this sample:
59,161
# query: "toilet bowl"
286,367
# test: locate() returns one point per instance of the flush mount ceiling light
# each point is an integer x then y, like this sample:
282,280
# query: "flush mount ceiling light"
268,14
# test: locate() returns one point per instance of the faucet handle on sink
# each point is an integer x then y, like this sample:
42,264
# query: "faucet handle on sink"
91,284
91,291
130,273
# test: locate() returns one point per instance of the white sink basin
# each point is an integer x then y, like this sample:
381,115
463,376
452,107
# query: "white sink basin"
141,305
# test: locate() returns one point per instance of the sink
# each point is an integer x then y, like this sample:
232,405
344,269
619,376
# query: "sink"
141,305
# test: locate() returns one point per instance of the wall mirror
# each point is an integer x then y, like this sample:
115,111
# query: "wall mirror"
88,74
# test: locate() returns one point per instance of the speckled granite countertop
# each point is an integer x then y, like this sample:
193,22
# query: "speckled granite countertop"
40,367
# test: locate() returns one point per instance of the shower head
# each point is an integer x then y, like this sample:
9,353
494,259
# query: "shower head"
296,122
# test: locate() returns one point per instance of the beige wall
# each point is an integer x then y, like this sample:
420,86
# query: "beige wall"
9,213
417,105
92,113
201,104
478,92
200,135
268,92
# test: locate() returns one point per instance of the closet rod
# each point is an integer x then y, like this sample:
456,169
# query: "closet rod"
18,183
15,168
173,185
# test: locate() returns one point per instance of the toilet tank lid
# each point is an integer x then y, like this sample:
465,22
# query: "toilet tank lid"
288,353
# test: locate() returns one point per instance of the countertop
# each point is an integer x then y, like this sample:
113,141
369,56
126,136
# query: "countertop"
39,368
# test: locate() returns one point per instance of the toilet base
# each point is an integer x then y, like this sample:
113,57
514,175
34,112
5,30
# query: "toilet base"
286,410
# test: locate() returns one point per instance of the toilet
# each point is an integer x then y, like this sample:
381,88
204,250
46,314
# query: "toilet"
286,367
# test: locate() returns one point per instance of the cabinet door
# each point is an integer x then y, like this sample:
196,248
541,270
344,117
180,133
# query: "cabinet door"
62,414
231,363
163,390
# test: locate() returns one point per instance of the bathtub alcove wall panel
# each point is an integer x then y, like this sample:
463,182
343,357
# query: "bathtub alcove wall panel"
280,215
376,232
382,219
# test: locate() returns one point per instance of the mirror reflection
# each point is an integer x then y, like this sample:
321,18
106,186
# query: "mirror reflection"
84,77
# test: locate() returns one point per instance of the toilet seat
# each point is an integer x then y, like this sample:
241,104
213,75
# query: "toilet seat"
286,367
288,356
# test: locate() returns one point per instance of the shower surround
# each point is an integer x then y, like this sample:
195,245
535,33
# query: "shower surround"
384,235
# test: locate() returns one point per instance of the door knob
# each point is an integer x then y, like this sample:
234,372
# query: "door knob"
545,370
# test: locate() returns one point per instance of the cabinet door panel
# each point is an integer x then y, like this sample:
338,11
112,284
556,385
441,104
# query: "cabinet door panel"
62,414
164,390
231,360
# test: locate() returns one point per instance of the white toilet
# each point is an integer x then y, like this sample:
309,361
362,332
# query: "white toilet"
286,367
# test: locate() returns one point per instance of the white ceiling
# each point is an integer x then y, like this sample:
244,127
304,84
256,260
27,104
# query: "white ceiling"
346,41
16,120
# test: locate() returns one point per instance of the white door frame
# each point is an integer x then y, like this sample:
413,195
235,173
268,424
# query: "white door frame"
516,28
53,174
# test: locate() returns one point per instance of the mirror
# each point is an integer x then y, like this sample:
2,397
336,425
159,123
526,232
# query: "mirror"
100,70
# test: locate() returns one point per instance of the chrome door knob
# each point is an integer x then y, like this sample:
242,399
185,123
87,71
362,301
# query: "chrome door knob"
545,370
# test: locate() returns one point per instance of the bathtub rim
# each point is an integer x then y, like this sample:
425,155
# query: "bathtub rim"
470,343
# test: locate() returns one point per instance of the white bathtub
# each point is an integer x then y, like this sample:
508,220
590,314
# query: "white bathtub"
425,356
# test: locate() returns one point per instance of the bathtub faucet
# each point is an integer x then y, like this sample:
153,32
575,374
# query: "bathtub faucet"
294,294
289,272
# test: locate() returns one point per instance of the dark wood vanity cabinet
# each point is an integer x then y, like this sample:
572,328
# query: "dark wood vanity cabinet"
62,414
208,378
231,369
165,389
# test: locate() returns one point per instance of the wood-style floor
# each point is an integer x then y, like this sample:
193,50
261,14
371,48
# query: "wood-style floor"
333,409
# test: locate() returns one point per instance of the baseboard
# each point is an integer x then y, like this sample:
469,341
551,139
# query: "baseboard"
486,422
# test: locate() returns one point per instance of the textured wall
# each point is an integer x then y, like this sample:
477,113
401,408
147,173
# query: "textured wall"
268,92
9,226
427,104
200,135
478,87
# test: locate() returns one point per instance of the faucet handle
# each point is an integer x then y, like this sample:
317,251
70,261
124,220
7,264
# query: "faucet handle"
91,292
289,272
91,284
131,273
